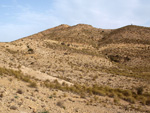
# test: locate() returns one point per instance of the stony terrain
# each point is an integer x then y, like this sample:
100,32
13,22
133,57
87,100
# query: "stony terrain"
69,69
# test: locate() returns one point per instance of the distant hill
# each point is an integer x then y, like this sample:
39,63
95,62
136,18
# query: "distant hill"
128,34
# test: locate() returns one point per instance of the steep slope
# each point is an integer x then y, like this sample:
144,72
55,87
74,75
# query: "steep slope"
98,66
129,45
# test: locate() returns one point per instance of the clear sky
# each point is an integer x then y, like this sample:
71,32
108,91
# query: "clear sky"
20,18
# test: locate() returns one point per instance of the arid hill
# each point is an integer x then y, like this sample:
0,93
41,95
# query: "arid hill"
128,34
77,69
130,46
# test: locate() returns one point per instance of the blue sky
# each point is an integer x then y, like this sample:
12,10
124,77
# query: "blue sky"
20,18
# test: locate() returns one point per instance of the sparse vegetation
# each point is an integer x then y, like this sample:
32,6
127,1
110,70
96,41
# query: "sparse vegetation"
30,51
33,84
73,50
11,51
130,72
19,91
98,67
140,90
61,104
83,91
44,111
116,100
148,102
18,75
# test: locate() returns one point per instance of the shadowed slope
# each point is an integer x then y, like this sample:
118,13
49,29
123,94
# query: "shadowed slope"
128,34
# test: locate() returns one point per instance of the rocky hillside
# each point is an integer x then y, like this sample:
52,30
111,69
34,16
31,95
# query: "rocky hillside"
77,69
